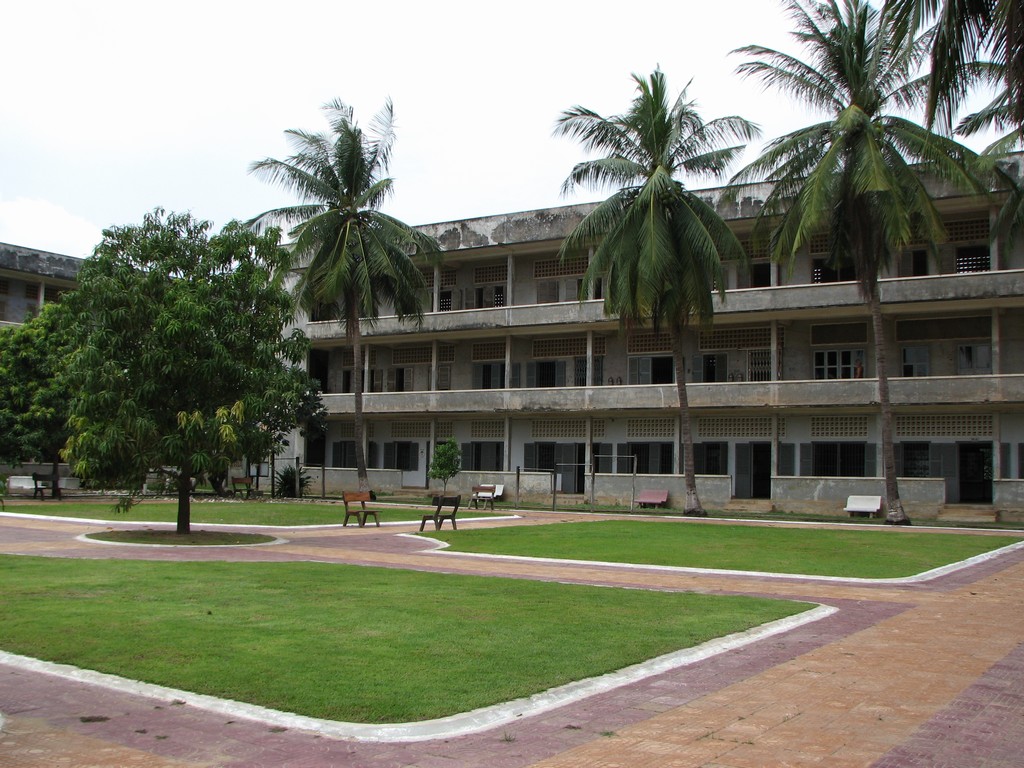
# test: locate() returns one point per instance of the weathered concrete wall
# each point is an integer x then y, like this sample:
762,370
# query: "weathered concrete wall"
713,490
920,496
40,263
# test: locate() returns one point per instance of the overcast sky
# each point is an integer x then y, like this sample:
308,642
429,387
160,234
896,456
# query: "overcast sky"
109,109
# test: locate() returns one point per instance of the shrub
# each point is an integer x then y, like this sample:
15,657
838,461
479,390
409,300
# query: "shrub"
285,486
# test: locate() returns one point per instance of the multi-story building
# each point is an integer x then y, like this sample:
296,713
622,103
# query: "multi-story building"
543,390
30,278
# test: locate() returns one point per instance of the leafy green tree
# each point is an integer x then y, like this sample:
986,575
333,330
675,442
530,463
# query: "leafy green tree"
33,397
859,174
357,259
446,462
657,247
182,362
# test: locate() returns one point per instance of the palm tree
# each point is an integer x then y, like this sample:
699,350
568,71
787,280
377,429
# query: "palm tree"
858,174
657,247
357,258
965,28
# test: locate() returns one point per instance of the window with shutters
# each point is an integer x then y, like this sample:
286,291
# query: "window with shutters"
649,458
343,454
401,379
488,296
316,449
549,373
488,375
974,359
444,378
711,458
838,459
547,291
914,263
651,370
715,367
916,459
483,456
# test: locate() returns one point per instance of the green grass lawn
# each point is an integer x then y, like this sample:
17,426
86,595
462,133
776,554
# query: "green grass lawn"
342,642
873,553
225,512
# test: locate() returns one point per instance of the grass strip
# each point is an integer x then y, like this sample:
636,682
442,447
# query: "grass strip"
871,554
227,512
342,642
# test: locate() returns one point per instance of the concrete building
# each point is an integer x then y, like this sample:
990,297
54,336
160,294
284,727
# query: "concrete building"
30,278
544,393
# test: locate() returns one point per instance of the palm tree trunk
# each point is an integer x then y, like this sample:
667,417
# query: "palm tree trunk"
357,390
693,506
895,515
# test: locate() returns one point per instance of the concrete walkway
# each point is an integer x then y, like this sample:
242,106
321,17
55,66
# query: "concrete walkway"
911,674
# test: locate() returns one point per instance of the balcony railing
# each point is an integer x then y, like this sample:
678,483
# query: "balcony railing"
945,391
987,289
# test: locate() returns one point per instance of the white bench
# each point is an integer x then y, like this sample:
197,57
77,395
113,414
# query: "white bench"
864,506
30,486
486,494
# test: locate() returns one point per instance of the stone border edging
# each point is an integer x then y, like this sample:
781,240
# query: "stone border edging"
454,725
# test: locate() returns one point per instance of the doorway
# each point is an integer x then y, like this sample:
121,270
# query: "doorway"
753,471
975,470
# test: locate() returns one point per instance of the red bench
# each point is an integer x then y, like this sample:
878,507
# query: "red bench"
647,499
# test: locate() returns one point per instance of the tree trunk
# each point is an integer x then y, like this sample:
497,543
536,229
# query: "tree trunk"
895,515
184,504
357,390
693,506
55,478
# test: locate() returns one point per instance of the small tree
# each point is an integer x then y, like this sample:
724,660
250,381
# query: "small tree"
446,463
182,363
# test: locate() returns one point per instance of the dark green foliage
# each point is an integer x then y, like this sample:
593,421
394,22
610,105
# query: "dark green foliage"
33,398
182,365
285,483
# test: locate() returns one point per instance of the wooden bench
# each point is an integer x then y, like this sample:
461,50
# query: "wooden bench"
242,485
360,514
41,484
864,506
647,499
484,493
439,515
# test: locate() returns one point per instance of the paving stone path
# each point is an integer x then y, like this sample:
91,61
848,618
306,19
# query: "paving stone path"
918,674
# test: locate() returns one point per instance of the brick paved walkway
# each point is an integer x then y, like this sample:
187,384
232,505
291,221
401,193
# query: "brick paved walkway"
928,674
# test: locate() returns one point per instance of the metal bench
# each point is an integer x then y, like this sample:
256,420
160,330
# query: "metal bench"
864,506
360,514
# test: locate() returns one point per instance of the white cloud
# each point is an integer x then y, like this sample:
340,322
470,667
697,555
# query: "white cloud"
40,224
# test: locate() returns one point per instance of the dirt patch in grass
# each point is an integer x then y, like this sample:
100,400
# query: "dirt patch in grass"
193,539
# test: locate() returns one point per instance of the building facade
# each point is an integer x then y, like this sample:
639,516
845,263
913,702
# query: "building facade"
546,394
30,278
